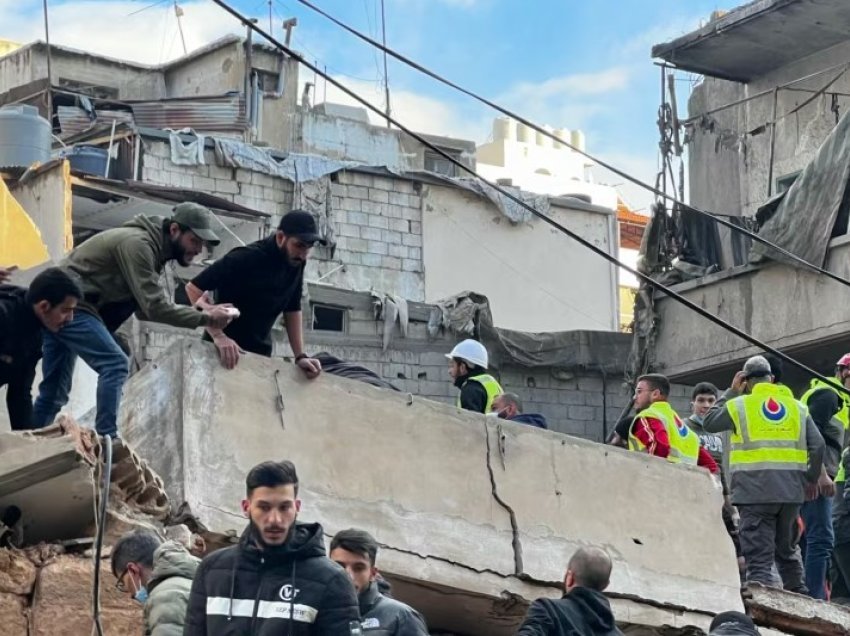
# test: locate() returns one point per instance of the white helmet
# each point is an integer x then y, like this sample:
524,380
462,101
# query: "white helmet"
471,351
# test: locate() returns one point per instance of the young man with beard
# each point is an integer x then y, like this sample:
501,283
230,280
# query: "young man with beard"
277,581
119,272
356,551
583,609
263,280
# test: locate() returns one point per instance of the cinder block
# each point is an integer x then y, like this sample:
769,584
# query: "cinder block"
379,196
360,179
352,205
399,251
218,172
391,262
391,237
379,221
357,192
397,198
412,240
404,186
371,233
415,253
399,225
260,179
203,183
582,413
589,383
593,399
370,259
226,185
378,247
373,207
358,218
411,214
383,183
410,265
363,328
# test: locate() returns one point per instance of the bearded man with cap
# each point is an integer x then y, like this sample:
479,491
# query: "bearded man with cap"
468,363
119,271
775,460
262,280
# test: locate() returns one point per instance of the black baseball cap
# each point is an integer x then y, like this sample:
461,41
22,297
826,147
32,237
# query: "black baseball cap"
301,225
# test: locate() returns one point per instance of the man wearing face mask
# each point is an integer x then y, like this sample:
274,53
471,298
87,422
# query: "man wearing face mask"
157,575
119,272
356,551
263,280
775,459
508,406
277,581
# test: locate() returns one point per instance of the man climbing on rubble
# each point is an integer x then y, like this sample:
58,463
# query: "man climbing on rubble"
775,459
263,280
25,314
277,580
356,551
157,575
468,364
508,406
119,271
583,610
828,406
659,431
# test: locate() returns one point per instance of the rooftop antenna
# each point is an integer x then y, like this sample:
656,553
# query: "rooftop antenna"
288,25
178,11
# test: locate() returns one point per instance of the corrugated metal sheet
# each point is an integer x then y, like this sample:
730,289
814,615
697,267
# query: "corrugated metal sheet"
225,113
74,120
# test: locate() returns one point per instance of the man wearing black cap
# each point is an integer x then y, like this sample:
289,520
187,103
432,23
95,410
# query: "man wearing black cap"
262,280
119,271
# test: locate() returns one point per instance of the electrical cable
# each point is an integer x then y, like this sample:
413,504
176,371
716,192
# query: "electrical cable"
106,444
580,240
540,130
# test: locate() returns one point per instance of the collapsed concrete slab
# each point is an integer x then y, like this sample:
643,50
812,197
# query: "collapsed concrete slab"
796,614
476,517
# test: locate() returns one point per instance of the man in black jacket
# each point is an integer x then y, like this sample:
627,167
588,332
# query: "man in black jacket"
277,581
583,610
49,303
356,551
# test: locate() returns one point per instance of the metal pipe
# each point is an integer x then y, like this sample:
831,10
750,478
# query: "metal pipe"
49,68
772,143
109,152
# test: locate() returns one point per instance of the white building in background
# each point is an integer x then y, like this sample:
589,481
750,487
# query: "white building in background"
522,157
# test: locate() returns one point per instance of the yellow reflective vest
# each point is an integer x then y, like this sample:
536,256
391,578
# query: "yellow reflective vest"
843,414
684,443
490,385
770,431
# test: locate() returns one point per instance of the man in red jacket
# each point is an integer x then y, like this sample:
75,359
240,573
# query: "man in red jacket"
659,431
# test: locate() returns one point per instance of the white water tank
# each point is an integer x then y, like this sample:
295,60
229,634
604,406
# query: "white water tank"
525,134
24,137
542,140
578,140
504,128
564,135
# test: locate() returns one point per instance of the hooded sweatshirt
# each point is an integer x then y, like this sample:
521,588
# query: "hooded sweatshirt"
168,589
248,590
581,612
120,270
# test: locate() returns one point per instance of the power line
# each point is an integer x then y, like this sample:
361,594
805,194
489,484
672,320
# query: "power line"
577,238
539,129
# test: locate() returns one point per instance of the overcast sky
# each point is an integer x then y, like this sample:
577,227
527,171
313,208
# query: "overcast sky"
565,63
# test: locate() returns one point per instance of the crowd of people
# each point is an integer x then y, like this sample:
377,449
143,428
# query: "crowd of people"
780,461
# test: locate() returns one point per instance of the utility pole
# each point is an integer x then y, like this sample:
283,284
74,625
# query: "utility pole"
386,74
271,24
49,68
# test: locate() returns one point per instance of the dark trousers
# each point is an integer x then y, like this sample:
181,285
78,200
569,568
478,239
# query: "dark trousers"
768,535
841,574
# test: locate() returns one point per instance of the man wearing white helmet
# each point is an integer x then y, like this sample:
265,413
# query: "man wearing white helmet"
775,460
468,364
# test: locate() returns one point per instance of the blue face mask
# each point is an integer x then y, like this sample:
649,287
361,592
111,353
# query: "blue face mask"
141,595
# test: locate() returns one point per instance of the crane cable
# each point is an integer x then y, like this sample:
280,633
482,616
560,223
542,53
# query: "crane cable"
463,167
620,173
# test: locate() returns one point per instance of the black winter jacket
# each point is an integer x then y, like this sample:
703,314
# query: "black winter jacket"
582,612
20,351
383,616
248,591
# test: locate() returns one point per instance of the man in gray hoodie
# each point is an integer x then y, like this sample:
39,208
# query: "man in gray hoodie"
157,575
119,271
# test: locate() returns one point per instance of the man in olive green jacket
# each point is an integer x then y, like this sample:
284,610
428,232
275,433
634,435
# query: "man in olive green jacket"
158,575
119,271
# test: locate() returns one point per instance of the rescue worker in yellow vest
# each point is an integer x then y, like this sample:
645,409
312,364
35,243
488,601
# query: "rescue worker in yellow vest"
659,431
841,522
775,460
828,406
468,364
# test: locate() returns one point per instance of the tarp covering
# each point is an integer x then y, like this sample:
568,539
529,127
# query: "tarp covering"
468,315
806,217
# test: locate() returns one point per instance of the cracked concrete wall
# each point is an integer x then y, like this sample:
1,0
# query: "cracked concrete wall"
418,476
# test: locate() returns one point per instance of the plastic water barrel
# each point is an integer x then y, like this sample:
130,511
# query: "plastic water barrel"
504,128
88,159
24,137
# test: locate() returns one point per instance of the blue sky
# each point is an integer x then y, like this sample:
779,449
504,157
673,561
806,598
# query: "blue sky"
566,63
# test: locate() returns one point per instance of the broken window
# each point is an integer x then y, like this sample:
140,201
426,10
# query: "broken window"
328,318
435,162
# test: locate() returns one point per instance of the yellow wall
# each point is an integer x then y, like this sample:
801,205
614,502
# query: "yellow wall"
627,304
7,46
20,241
